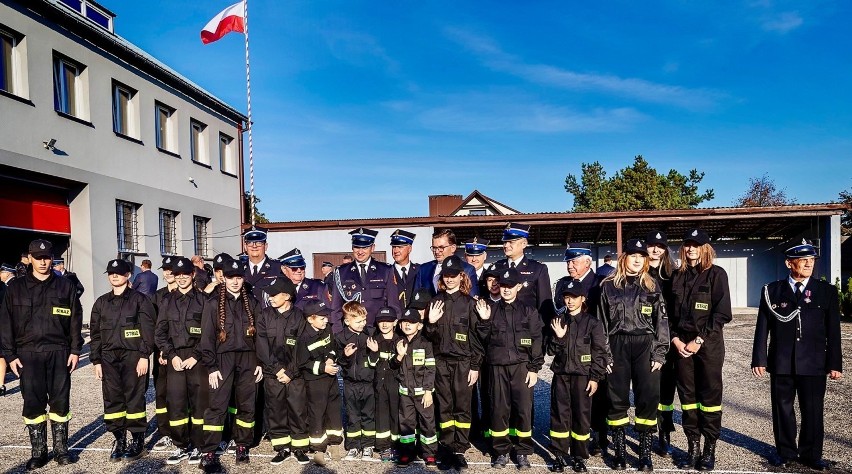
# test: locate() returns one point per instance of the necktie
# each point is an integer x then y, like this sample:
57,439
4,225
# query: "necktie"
254,272
512,265
799,291
363,273
404,274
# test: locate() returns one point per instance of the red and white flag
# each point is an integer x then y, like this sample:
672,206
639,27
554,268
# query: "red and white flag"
228,20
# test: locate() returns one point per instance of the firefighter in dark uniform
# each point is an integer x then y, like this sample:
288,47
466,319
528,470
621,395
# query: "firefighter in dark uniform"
122,331
307,289
260,270
475,254
633,313
365,280
511,333
160,374
40,337
177,336
386,385
405,271
799,317
701,306
59,268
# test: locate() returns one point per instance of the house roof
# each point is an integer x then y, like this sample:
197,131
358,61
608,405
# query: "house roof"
493,203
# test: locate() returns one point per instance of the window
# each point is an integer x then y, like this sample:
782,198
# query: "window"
202,235
97,15
227,161
198,142
7,64
126,218
124,110
164,127
168,232
477,212
68,90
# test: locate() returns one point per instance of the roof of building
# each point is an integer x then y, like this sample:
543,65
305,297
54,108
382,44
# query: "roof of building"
496,206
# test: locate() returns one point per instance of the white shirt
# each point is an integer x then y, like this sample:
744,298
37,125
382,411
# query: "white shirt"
516,262
793,282
258,265
400,267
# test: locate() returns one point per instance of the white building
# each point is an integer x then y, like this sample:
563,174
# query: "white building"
106,151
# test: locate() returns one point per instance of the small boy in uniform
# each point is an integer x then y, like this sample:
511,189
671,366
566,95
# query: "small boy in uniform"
359,371
385,384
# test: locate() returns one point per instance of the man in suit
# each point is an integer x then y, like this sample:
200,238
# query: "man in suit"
261,270
799,317
404,270
606,269
444,244
365,280
59,268
307,289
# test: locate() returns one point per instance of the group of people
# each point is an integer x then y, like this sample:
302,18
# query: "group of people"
430,355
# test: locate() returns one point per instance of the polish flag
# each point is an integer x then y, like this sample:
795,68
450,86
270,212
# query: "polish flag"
228,20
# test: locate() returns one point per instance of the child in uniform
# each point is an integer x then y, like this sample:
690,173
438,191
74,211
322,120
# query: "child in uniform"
383,346
359,371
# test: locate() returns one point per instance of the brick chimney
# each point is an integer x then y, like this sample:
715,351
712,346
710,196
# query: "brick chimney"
443,204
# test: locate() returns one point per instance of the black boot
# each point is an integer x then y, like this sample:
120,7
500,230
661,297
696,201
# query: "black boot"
619,448
693,448
38,441
645,464
665,447
118,447
60,442
707,462
136,447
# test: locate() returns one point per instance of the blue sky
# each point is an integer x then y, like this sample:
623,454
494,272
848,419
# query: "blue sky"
364,108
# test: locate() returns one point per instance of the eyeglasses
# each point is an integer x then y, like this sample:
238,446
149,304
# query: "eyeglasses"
255,244
296,269
441,247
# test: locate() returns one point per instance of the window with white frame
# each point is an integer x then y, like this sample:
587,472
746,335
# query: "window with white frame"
227,160
202,235
168,232
10,68
124,110
95,14
198,142
126,219
164,125
68,87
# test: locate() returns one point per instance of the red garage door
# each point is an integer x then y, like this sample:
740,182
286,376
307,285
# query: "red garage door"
33,207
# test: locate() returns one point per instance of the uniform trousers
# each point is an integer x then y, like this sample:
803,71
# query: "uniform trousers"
600,410
237,369
452,397
570,415
161,409
414,419
286,413
668,385
511,409
632,364
186,401
123,391
811,393
387,412
360,400
325,425
45,381
699,386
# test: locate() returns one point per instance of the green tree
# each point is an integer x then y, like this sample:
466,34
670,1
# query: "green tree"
846,219
259,217
635,187
762,192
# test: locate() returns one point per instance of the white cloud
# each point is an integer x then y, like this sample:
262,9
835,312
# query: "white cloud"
783,22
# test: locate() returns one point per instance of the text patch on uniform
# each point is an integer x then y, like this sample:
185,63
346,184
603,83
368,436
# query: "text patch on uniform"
61,311
702,306
461,337
131,333
526,342
418,356
291,342
586,358
194,330
647,309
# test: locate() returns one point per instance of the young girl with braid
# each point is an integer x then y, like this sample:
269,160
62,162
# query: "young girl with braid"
228,354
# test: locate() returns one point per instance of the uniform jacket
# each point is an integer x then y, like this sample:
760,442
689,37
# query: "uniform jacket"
236,328
266,273
378,291
314,348
38,316
583,350
145,282
427,271
361,365
405,286
634,311
513,335
76,281
416,371
387,352
454,336
535,290
702,302
179,323
122,322
815,351
311,289
277,340
591,282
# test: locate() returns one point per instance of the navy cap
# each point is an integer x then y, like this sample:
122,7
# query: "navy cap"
317,308
119,266
5,267
452,266
57,261
386,314
420,299
515,231
293,259
573,288
40,248
476,246
634,246
362,237
410,315
656,237
805,249
255,235
327,264
281,285
509,277
167,263
220,260
696,235
577,250
233,268
182,266
401,237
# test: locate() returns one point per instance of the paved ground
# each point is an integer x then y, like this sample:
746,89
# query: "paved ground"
746,443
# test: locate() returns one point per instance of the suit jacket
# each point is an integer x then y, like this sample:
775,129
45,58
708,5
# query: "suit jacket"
379,290
427,271
266,273
813,351
535,290
310,289
405,287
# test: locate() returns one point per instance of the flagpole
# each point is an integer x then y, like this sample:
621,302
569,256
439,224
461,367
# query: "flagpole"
250,123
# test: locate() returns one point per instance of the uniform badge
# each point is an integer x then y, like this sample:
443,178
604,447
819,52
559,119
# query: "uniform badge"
449,263
807,296
349,288
783,304
695,233
506,275
41,246
659,236
304,286
179,264
526,284
114,263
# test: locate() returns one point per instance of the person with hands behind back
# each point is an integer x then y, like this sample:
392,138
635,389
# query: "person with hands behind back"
579,346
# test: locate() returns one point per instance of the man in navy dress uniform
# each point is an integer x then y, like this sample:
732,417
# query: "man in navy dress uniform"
261,270
307,289
444,244
475,254
799,317
404,270
535,279
365,280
